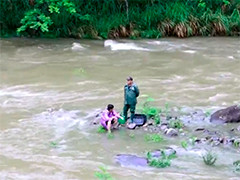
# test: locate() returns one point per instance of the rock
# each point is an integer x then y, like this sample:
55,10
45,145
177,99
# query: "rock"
238,128
168,151
164,126
150,122
228,115
95,122
131,126
171,132
128,160
200,129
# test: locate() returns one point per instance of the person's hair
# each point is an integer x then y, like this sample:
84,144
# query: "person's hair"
129,78
110,106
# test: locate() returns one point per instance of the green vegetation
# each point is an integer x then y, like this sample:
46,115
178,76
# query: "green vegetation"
236,143
237,165
208,113
131,135
192,140
153,138
166,110
150,111
79,72
110,136
53,144
101,19
209,158
176,124
103,174
184,144
101,129
161,162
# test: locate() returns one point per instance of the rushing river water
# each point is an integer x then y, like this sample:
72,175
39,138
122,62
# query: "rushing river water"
51,90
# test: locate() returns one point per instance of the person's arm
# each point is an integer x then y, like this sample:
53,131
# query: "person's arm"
137,91
117,115
105,116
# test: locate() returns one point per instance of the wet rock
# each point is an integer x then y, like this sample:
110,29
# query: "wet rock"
150,122
198,141
95,122
200,129
171,132
164,126
168,151
198,115
228,115
131,126
128,160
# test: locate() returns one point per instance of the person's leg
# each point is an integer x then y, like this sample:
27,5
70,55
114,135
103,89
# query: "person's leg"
125,111
115,122
132,110
104,124
109,123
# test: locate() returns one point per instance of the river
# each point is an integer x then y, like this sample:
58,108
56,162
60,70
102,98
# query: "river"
52,89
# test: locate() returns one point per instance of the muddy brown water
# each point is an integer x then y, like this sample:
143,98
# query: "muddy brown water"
51,90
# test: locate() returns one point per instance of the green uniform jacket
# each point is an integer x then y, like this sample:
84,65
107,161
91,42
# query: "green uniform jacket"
130,94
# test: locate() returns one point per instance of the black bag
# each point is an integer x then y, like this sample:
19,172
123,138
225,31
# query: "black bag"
139,119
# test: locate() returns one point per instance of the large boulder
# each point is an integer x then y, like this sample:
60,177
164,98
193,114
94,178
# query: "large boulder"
128,160
228,115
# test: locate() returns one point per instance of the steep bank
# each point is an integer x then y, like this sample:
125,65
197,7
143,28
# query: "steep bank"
104,19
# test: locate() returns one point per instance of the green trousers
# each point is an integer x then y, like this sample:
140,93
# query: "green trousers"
132,108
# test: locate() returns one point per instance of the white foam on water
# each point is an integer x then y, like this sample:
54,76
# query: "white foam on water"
116,46
190,51
217,96
158,42
231,57
77,46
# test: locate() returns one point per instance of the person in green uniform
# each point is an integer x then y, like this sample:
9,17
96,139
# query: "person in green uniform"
131,92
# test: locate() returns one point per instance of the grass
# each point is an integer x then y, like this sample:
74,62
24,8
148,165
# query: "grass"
53,144
110,136
131,135
101,129
208,113
192,140
162,162
184,144
102,174
176,124
151,111
236,164
153,138
209,158
236,144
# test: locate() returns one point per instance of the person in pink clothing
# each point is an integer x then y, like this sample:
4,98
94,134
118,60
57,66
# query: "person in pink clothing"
109,117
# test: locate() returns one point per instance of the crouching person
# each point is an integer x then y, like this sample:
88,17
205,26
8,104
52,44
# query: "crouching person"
109,118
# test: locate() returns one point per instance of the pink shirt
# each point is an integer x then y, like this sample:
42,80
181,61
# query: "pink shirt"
106,115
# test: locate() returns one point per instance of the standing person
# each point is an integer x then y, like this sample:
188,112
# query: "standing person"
131,92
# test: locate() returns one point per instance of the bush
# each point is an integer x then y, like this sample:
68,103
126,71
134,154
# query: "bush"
103,174
209,158
237,165
161,162
176,124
